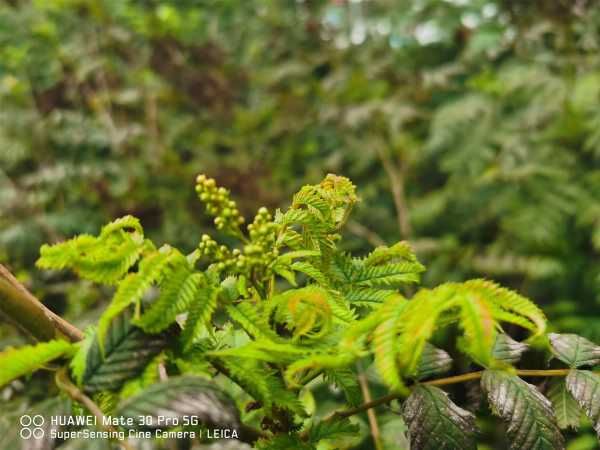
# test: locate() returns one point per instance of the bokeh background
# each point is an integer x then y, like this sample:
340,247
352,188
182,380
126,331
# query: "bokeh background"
471,128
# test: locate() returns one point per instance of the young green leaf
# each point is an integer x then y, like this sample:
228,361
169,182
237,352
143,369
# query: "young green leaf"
331,429
574,350
179,397
585,388
103,259
78,363
567,410
531,421
177,292
435,423
16,362
132,288
385,343
263,384
479,325
201,310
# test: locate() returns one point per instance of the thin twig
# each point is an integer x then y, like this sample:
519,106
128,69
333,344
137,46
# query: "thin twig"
395,173
364,387
64,384
439,382
361,231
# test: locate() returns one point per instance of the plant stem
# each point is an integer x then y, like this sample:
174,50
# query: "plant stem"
364,387
395,173
440,382
64,384
29,314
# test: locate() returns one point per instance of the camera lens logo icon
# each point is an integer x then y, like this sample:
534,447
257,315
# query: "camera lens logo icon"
31,427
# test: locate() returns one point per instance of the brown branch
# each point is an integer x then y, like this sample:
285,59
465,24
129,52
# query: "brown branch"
360,230
395,173
21,308
364,387
439,382
64,384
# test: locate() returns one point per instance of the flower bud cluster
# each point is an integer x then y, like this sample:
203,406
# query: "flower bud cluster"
219,205
263,233
256,255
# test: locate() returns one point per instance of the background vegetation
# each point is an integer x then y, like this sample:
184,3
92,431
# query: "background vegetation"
471,128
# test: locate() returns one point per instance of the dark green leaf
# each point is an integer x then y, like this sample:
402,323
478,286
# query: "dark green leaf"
507,350
585,388
434,361
529,415
566,409
574,350
127,350
435,423
183,396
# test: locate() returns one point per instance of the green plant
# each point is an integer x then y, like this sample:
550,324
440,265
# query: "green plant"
236,335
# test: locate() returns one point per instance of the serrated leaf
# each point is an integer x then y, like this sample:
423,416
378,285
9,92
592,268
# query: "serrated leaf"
16,362
528,414
434,361
176,294
346,380
507,350
385,343
392,275
183,396
311,271
263,384
382,254
574,350
132,288
251,321
566,408
103,259
127,350
584,386
200,312
369,297
78,362
477,321
435,423
331,430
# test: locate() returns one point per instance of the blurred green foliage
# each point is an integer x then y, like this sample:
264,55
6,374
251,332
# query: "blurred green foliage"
471,127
